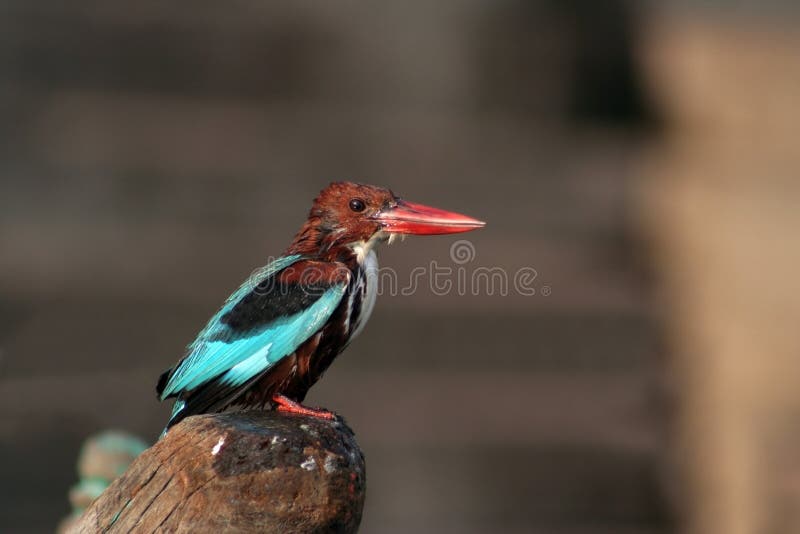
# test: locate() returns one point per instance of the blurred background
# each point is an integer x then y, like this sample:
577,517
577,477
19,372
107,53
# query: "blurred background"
641,157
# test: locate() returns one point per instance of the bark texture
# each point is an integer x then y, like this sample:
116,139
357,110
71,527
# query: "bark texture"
239,472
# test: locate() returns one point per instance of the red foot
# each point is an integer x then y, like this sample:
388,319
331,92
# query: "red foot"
285,404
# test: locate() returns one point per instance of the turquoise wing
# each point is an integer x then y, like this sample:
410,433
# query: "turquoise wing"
261,323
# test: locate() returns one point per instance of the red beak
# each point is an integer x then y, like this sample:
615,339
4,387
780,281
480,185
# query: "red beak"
411,218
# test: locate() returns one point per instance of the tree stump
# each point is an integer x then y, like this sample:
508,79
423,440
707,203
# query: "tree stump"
239,472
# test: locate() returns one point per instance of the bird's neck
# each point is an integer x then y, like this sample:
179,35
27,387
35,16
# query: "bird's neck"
309,240
315,241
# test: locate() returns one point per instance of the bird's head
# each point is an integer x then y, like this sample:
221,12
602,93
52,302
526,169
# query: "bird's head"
352,214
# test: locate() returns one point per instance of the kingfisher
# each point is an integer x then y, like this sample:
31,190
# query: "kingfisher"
276,335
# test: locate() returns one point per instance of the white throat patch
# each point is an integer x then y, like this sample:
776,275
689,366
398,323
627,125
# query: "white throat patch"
364,248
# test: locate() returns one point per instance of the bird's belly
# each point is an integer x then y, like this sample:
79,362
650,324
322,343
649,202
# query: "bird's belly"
294,375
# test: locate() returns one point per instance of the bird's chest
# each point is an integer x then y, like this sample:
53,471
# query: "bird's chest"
362,294
314,357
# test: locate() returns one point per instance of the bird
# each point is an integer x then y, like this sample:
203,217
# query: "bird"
277,334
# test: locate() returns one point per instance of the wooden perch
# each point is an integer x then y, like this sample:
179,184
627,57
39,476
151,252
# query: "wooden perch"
239,472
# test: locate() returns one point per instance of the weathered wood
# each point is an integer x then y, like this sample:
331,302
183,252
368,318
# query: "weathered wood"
240,472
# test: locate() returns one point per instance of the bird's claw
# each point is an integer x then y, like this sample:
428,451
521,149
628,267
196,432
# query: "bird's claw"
285,404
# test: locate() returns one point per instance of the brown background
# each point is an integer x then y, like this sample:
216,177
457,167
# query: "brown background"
153,155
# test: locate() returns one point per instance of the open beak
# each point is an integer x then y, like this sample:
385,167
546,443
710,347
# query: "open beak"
411,218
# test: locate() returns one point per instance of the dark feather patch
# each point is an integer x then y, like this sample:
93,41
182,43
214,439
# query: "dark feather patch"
269,302
162,381
285,293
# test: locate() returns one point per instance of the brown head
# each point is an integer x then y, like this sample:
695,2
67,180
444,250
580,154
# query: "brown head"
349,214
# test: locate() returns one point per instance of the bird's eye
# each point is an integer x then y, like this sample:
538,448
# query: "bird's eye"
357,204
